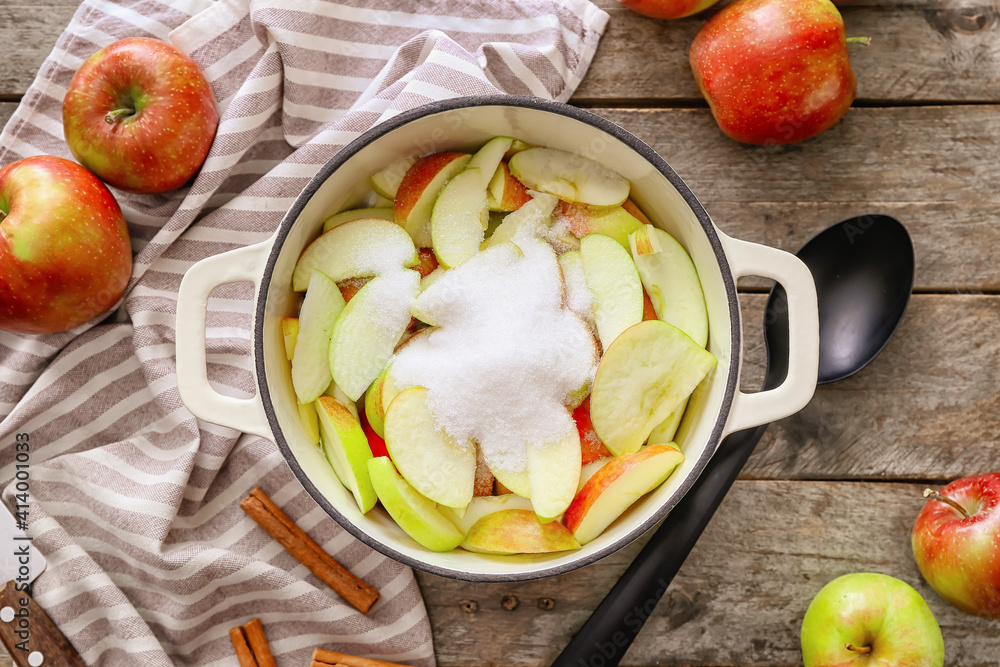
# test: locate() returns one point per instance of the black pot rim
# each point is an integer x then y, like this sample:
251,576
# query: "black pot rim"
542,105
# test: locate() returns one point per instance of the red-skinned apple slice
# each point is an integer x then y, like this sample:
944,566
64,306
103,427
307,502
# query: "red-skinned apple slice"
459,219
416,515
435,464
317,317
635,212
518,531
365,247
644,376
483,505
337,219
581,220
616,486
420,188
614,286
569,176
346,448
289,334
386,181
505,193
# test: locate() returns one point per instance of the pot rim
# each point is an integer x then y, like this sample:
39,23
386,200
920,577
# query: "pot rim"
539,104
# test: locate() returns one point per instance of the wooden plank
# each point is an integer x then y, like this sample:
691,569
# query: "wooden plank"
921,50
930,166
740,597
6,110
35,33
925,409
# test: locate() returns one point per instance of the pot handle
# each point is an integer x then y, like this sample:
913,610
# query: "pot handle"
764,407
242,414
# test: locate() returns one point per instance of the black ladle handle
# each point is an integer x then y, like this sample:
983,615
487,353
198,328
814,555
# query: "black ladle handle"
610,630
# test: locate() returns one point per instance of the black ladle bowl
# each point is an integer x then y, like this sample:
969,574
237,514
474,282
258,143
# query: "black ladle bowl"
863,268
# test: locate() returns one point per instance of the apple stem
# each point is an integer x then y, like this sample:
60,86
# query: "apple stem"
858,649
863,41
115,115
934,495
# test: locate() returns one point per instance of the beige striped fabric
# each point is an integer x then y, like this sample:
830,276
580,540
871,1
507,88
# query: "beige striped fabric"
134,502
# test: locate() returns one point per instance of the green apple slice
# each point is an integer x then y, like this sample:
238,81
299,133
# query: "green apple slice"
459,219
368,329
670,279
518,531
416,515
488,158
664,433
378,213
346,448
310,421
483,505
614,286
616,486
553,474
535,214
613,221
320,309
289,334
366,247
569,176
386,181
516,147
435,464
417,195
644,376
514,478
373,403
577,296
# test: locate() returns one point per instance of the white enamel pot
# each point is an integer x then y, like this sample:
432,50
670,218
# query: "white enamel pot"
716,409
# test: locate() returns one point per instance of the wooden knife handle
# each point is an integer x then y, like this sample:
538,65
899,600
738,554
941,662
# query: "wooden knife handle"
31,631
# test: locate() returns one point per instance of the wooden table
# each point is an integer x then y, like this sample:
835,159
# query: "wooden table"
835,488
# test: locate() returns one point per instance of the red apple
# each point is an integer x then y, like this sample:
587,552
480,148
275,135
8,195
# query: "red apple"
668,9
775,71
141,115
65,255
956,543
591,447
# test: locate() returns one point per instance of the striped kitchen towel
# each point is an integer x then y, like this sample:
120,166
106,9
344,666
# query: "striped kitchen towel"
134,502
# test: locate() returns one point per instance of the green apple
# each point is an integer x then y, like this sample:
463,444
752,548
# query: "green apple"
518,531
569,176
366,247
419,517
670,279
614,487
644,376
553,473
435,464
346,448
385,182
459,218
487,159
614,286
866,619
373,403
664,433
310,422
377,213
320,310
534,214
367,331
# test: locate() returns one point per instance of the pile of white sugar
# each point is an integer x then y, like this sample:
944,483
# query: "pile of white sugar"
506,356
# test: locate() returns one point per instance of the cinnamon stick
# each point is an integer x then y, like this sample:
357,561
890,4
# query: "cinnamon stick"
243,652
258,643
323,658
278,525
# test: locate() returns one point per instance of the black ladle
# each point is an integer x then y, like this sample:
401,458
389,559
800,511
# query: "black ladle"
863,268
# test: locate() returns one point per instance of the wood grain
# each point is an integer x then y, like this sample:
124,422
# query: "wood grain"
740,597
35,33
921,50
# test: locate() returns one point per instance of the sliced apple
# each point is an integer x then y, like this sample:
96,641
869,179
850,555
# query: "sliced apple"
386,181
635,211
614,286
346,448
317,317
337,219
289,334
590,469
416,515
373,403
483,505
505,193
510,476
427,263
670,279
435,464
487,159
577,296
310,421
419,190
516,147
368,329
517,531
569,176
459,219
366,247
581,220
553,473
534,214
644,376
431,278
616,486
664,433
591,447
339,395
483,485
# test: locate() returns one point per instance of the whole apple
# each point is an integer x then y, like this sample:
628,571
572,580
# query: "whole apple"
774,71
956,543
65,255
870,619
141,115
668,9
